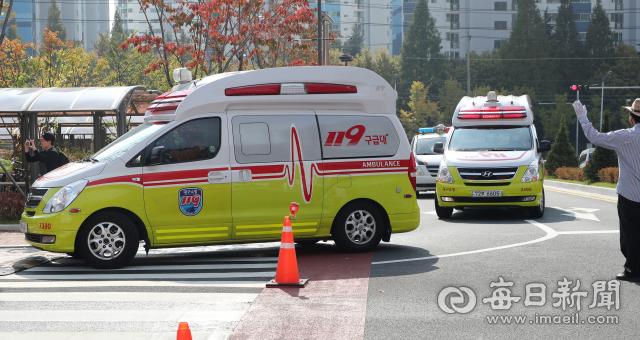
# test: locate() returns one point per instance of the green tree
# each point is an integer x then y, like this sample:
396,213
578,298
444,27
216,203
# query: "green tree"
566,45
364,59
12,32
54,24
528,40
353,46
450,96
386,66
562,152
554,118
600,42
601,157
421,48
422,112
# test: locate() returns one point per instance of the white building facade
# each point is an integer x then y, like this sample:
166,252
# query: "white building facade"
488,22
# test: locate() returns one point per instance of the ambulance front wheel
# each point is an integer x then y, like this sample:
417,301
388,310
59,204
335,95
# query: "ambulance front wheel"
442,212
108,241
538,212
358,228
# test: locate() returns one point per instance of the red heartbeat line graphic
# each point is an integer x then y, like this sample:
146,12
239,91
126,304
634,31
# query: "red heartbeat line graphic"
296,155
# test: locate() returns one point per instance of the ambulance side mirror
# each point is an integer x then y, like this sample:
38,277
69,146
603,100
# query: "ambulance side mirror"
544,146
438,148
157,156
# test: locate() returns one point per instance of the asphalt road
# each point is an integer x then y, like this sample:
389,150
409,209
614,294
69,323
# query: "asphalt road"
418,286
577,239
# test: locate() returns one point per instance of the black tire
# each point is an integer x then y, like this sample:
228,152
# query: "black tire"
440,211
74,255
538,212
126,240
364,236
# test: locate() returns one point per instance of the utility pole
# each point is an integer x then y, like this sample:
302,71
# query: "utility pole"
602,98
577,132
468,65
319,32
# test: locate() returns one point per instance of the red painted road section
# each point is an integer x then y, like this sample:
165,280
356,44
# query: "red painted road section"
332,306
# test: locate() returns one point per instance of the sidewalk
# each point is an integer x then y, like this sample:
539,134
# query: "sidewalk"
12,238
589,189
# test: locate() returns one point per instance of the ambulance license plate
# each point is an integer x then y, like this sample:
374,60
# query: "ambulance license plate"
23,227
486,193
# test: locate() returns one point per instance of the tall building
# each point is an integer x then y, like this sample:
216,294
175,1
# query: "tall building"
372,16
83,19
488,22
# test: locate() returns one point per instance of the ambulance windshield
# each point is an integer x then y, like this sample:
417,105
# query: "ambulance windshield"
424,146
125,143
504,138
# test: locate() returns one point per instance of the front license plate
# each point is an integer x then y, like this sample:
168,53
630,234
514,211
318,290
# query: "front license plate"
24,227
486,193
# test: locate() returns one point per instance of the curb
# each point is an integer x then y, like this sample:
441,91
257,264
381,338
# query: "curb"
9,227
581,187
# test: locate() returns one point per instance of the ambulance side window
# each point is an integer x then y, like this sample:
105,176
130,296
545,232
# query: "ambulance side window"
195,140
268,138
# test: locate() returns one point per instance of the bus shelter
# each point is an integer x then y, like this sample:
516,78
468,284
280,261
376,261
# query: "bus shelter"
26,105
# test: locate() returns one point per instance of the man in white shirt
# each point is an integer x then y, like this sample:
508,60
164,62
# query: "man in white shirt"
626,143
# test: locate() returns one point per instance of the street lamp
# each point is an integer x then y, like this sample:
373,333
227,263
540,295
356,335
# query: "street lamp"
346,58
602,98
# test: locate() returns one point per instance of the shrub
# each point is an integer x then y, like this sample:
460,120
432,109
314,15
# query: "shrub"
601,157
11,205
574,174
609,175
562,153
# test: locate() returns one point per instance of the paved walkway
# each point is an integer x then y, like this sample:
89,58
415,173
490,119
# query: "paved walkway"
11,238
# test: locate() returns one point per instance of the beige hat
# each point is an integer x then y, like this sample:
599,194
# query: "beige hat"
635,109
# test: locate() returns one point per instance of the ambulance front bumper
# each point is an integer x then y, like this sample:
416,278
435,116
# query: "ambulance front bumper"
514,194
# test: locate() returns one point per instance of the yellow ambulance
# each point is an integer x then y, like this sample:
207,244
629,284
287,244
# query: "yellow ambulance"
492,157
219,160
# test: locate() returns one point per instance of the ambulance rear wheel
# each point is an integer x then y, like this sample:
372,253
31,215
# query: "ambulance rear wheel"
442,212
538,212
108,241
358,228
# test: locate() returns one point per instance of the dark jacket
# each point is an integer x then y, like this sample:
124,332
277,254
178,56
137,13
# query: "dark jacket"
48,159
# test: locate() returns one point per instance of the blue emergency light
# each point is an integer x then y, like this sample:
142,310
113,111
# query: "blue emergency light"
440,129
425,130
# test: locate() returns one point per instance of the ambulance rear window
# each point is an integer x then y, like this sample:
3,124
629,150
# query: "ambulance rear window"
355,136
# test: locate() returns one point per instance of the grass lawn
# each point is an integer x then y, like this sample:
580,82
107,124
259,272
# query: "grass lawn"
9,221
597,184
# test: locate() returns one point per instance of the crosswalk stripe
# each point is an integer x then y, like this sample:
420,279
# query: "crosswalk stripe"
207,298
133,283
183,275
56,268
120,315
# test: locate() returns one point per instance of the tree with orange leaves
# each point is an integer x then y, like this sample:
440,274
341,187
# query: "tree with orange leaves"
225,35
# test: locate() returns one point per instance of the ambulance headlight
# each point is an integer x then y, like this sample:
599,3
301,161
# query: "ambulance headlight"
419,171
532,174
61,199
444,175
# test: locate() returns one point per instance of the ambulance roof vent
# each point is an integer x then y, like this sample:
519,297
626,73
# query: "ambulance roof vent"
492,97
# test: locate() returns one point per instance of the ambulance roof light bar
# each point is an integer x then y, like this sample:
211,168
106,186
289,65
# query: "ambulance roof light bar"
440,129
289,88
167,103
492,97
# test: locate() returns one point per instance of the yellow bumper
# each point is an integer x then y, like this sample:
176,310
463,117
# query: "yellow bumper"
62,225
512,194
402,223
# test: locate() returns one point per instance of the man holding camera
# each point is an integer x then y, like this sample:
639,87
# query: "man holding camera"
625,143
48,156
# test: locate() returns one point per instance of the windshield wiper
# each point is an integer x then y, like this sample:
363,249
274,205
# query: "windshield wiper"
498,149
463,150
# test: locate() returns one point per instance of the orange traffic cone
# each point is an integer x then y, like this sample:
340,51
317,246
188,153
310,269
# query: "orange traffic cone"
287,271
184,333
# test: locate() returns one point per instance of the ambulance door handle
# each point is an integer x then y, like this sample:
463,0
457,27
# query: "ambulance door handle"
214,176
245,175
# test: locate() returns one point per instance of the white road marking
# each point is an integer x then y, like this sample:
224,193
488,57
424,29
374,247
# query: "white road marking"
580,213
119,315
143,268
430,212
72,284
580,232
26,275
130,297
550,234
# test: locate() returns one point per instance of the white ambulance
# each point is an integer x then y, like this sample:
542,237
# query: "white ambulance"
427,160
220,159
492,157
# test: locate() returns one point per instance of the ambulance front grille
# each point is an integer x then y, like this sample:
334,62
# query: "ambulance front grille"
433,170
487,174
33,203
35,196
